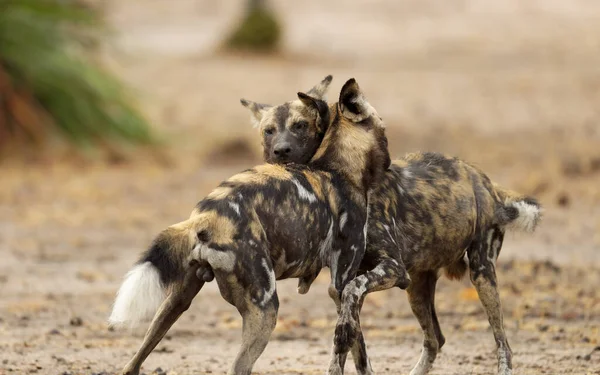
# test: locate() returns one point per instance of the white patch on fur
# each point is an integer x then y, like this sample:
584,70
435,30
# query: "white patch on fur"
360,291
503,368
139,297
272,283
406,173
400,189
235,206
305,194
335,257
490,235
343,220
387,229
529,216
222,260
354,289
496,248
196,253
425,363
325,246
492,252
380,271
354,249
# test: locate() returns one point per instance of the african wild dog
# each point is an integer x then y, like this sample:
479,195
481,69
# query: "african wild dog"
429,213
267,223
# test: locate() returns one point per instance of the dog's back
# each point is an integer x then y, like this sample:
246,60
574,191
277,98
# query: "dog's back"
430,206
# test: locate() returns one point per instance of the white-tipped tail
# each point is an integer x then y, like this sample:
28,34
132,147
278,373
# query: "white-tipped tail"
139,297
529,215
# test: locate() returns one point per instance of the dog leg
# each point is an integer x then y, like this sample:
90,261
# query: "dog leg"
175,304
259,323
482,257
420,295
436,324
344,266
348,334
359,348
337,362
359,353
256,299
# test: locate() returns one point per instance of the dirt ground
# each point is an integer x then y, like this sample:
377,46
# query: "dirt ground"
513,87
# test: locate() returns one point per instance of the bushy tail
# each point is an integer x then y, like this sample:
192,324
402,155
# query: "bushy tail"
519,212
145,285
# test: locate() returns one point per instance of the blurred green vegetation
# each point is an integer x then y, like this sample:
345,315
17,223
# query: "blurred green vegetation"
258,31
50,83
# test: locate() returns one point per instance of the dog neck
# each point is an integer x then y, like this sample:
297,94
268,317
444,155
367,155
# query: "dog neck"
345,150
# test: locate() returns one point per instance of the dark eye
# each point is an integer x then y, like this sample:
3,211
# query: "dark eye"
300,125
269,131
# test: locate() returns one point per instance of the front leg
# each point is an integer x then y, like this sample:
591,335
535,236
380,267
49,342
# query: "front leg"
346,256
388,273
359,348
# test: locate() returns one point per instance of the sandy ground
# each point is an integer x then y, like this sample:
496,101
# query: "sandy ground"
510,86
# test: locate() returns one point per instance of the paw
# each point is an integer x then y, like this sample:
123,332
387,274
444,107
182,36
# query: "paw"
421,369
335,370
503,369
131,369
403,281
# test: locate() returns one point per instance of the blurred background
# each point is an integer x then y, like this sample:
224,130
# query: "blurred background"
116,117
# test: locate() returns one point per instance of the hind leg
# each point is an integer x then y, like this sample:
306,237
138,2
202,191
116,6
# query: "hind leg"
252,290
436,324
482,257
177,302
259,323
420,295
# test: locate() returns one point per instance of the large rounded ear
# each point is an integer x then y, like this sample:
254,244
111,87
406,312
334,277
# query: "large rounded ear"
320,106
258,110
320,89
353,104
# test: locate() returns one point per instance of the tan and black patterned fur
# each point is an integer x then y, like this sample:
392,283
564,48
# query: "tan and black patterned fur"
270,222
431,213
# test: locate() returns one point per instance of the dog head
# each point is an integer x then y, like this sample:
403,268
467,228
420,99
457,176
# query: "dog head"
292,132
355,142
